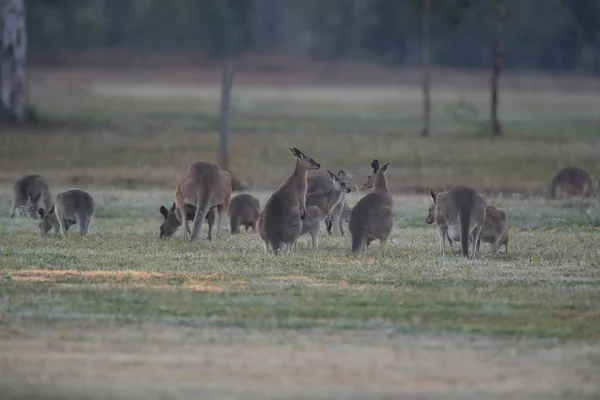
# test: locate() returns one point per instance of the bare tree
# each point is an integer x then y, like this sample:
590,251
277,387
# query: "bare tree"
426,68
13,55
497,67
230,33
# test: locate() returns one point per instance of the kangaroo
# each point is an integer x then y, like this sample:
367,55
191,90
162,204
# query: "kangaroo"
172,221
286,208
204,186
312,224
495,230
344,217
30,193
572,182
73,206
373,216
325,202
243,210
458,213
328,199
322,184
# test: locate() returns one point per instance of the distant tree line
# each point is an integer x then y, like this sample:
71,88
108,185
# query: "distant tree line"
552,35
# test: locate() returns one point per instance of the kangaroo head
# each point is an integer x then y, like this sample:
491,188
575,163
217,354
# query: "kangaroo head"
370,183
171,221
340,182
307,162
48,220
431,213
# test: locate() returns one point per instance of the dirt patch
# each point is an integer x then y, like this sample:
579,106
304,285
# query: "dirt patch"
142,361
154,280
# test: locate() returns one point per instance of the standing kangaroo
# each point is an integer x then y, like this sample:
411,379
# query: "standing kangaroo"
458,213
344,218
172,221
243,210
202,186
373,216
321,204
572,182
72,207
321,184
30,193
286,208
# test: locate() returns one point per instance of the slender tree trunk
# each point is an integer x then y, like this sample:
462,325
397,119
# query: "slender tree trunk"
13,54
230,38
497,68
426,68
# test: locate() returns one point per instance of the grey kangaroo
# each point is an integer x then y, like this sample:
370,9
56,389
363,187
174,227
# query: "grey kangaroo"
73,206
321,184
29,194
243,210
204,186
572,182
373,216
284,211
458,213
172,222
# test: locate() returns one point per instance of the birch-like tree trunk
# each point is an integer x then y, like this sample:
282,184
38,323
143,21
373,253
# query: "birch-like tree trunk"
497,68
13,55
426,68
230,33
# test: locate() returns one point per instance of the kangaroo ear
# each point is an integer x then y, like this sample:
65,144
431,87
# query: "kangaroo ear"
385,166
297,153
51,210
41,212
164,211
375,165
173,207
333,176
433,195
342,173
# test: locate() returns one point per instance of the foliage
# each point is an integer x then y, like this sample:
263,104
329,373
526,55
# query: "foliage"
540,34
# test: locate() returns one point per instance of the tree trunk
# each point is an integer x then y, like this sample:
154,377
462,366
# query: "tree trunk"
426,68
497,68
13,88
230,41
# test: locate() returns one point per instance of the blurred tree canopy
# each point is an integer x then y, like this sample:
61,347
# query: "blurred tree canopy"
553,35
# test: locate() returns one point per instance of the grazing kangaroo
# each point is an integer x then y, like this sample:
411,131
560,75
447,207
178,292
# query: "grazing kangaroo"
458,213
73,206
172,221
572,182
243,210
286,208
322,184
495,230
204,186
373,216
30,193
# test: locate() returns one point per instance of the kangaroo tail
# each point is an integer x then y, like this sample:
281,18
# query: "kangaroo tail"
464,220
358,242
202,207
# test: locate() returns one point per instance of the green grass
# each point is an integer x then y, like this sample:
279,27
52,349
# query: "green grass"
546,286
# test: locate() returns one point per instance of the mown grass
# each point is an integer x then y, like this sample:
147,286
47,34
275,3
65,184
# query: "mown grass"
546,286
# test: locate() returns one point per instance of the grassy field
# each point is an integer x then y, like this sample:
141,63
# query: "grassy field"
124,314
